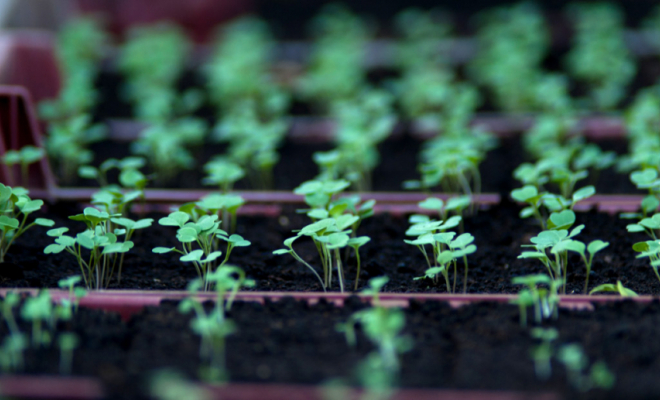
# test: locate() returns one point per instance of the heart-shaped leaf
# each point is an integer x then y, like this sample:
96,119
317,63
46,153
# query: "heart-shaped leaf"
561,220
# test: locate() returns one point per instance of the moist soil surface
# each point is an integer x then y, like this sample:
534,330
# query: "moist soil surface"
480,347
499,234
398,163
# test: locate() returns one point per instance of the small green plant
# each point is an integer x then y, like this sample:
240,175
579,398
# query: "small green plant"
75,292
11,352
540,292
383,326
16,206
542,354
618,288
100,241
205,232
335,223
446,247
68,141
24,157
577,363
223,173
67,342
214,326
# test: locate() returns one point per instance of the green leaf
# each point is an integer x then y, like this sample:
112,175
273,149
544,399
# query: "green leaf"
118,247
125,222
445,257
357,242
212,257
650,204
561,220
317,226
641,247
345,221
57,232
32,206
53,249
596,246
5,193
336,240
238,241
186,235
143,223
176,218
7,223
195,255
624,291
458,203
281,251
318,213
452,222
84,239
634,228
583,193
444,237
432,203
462,240
525,194
66,241
88,172
533,254
163,250
644,178
44,222
463,252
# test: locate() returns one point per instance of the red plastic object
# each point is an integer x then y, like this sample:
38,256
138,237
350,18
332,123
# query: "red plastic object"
27,58
18,128
50,387
198,17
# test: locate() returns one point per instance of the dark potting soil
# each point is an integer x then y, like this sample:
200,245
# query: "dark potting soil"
398,163
480,347
498,232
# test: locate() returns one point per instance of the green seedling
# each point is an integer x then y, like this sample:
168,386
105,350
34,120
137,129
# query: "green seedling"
551,246
226,206
542,354
222,173
24,157
68,141
650,249
206,233
10,301
214,327
576,363
446,248
383,326
11,352
39,310
16,206
75,292
544,299
618,288
67,343
100,241
169,384
330,235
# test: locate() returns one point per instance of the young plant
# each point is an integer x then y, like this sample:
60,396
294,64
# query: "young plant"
383,326
67,342
214,326
75,292
16,206
100,239
544,299
222,173
618,288
11,353
335,223
446,248
24,157
542,354
206,233
576,363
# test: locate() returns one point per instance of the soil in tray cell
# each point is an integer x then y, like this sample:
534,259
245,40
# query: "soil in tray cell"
499,234
479,347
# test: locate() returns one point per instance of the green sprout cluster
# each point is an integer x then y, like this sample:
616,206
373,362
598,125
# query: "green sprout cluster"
599,56
336,68
97,249
573,358
16,205
383,326
153,60
200,235
335,221
250,104
451,160
213,326
513,41
43,314
81,45
446,247
24,157
363,122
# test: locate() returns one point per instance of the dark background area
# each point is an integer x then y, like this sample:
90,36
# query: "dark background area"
289,18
